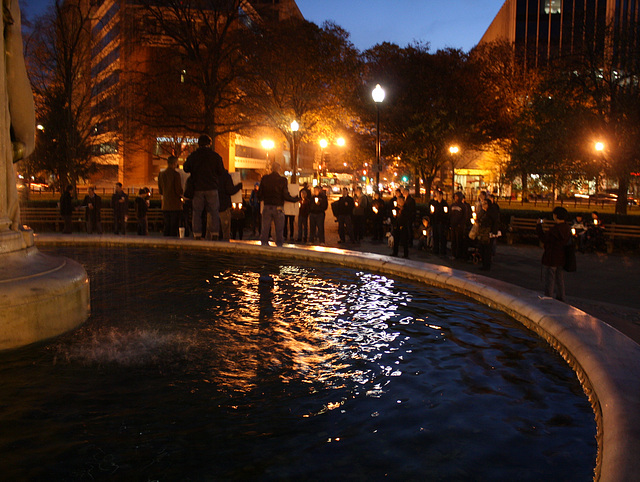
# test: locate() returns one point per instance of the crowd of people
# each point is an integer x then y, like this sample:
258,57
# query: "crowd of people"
202,201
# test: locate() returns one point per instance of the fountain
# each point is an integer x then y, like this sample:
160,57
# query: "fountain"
40,296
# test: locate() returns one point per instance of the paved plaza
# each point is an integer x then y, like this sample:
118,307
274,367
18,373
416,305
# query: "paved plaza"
606,286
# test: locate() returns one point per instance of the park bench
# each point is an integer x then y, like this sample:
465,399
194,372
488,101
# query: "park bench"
523,227
45,219
620,232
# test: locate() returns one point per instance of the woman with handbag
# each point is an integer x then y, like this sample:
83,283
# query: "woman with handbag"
553,258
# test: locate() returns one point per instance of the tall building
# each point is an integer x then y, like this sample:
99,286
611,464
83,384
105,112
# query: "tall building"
134,135
546,29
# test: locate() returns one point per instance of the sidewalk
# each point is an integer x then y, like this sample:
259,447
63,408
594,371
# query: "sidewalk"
605,286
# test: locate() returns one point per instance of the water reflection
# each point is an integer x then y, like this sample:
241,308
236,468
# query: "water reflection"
265,370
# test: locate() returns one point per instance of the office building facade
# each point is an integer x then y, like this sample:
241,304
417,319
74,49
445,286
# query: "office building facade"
126,46
543,30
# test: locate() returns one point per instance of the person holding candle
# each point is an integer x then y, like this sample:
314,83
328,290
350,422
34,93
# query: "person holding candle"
317,208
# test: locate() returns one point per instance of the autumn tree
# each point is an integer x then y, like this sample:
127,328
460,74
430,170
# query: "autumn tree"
505,92
430,105
303,73
607,83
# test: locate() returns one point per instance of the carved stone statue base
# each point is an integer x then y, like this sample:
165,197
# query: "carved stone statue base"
41,296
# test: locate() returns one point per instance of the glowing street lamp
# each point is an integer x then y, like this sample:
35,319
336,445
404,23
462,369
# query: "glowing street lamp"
453,150
378,96
294,151
323,145
599,148
267,145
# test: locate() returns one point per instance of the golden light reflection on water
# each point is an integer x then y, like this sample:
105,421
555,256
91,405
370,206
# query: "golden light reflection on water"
294,325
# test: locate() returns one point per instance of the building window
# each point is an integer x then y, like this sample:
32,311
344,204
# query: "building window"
552,6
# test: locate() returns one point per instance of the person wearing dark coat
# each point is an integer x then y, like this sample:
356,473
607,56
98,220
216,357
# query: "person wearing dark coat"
273,192
439,214
460,217
66,209
170,187
343,210
401,222
410,215
226,189
319,205
92,204
205,166
554,240
378,212
303,216
120,205
489,222
142,207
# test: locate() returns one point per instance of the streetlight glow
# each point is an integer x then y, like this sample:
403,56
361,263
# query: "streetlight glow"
340,141
378,96
295,126
454,149
268,144
323,143
599,146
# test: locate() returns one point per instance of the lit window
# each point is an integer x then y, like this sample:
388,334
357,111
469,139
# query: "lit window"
552,6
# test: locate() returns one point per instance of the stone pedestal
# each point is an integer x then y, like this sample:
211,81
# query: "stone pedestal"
41,296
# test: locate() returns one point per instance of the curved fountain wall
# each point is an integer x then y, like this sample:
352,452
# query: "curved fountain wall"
606,361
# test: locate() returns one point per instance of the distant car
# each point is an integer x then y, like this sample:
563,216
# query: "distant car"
604,198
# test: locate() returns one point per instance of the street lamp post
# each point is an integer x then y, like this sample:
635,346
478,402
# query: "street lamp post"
599,148
267,145
323,145
294,152
453,150
378,96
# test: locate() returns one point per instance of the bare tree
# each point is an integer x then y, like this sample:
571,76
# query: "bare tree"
58,60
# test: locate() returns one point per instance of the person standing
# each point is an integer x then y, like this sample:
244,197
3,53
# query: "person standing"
554,240
317,213
142,207
238,216
205,166
273,192
120,205
226,189
401,222
410,214
439,211
378,210
360,211
489,223
254,204
291,210
93,205
460,217
66,209
343,210
170,187
303,216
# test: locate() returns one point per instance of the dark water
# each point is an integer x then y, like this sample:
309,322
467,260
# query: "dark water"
191,369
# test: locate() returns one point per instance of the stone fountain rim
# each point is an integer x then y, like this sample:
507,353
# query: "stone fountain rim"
606,361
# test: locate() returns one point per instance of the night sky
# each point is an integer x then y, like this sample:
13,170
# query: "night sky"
441,23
